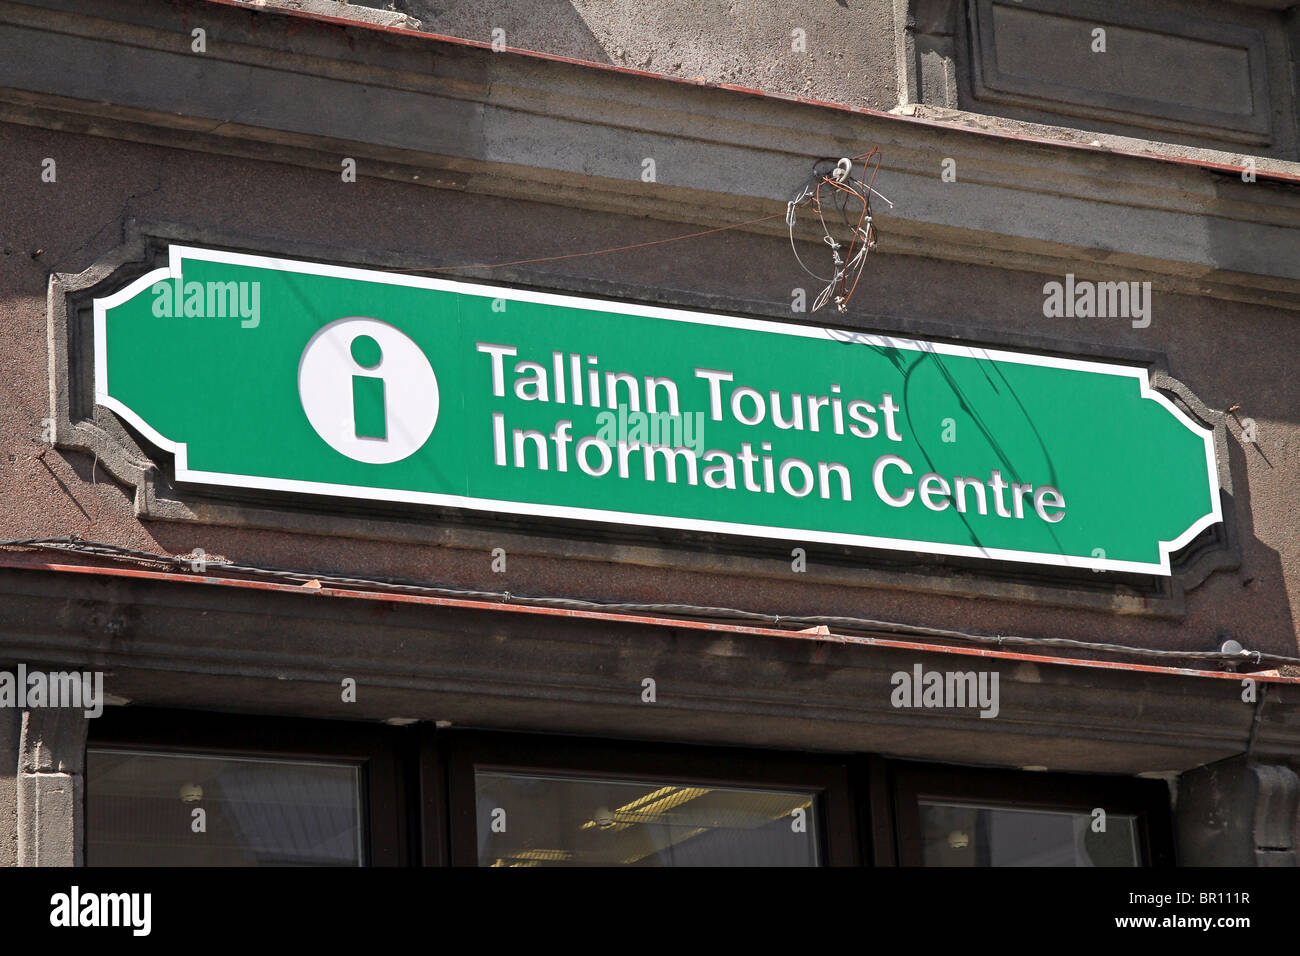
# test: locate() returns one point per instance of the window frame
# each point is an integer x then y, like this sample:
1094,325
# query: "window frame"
377,750
1147,800
418,796
827,777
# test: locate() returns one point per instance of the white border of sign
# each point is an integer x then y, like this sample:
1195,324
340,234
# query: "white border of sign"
177,254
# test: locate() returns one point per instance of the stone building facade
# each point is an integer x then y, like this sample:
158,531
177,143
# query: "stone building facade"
407,677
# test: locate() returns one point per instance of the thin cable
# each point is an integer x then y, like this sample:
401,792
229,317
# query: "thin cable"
116,552
596,252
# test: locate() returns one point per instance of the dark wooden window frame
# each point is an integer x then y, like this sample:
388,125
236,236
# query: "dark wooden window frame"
418,799
379,751
1148,800
826,776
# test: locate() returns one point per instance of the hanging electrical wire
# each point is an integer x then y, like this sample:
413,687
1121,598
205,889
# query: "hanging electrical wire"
77,545
850,239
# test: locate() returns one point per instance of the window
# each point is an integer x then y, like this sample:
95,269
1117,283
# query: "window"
520,800
534,820
951,816
172,809
956,834
271,791
286,792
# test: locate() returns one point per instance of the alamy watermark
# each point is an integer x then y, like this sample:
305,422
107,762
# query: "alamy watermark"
946,689
208,300
1084,299
656,429
29,689
131,911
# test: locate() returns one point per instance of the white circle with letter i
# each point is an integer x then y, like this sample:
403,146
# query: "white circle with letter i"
368,390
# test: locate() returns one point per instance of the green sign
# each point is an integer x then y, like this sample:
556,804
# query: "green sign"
295,376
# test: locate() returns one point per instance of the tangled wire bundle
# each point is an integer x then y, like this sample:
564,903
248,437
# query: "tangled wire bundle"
850,234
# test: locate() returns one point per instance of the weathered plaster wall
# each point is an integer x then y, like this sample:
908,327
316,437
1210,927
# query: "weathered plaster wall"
847,53
1229,354
881,53
10,729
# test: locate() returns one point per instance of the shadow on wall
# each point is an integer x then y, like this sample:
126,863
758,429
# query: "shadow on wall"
1263,619
1264,427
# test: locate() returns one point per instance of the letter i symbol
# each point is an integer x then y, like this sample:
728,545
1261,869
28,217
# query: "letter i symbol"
368,412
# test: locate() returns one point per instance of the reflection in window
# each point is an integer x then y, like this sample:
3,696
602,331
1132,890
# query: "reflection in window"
532,820
140,811
962,834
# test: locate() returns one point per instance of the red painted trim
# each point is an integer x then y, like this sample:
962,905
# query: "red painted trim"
733,88
627,618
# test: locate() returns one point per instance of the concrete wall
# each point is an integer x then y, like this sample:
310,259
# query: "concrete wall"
281,191
10,724
1228,354
1152,81
846,53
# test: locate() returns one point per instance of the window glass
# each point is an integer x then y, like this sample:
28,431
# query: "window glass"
536,820
965,834
140,811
